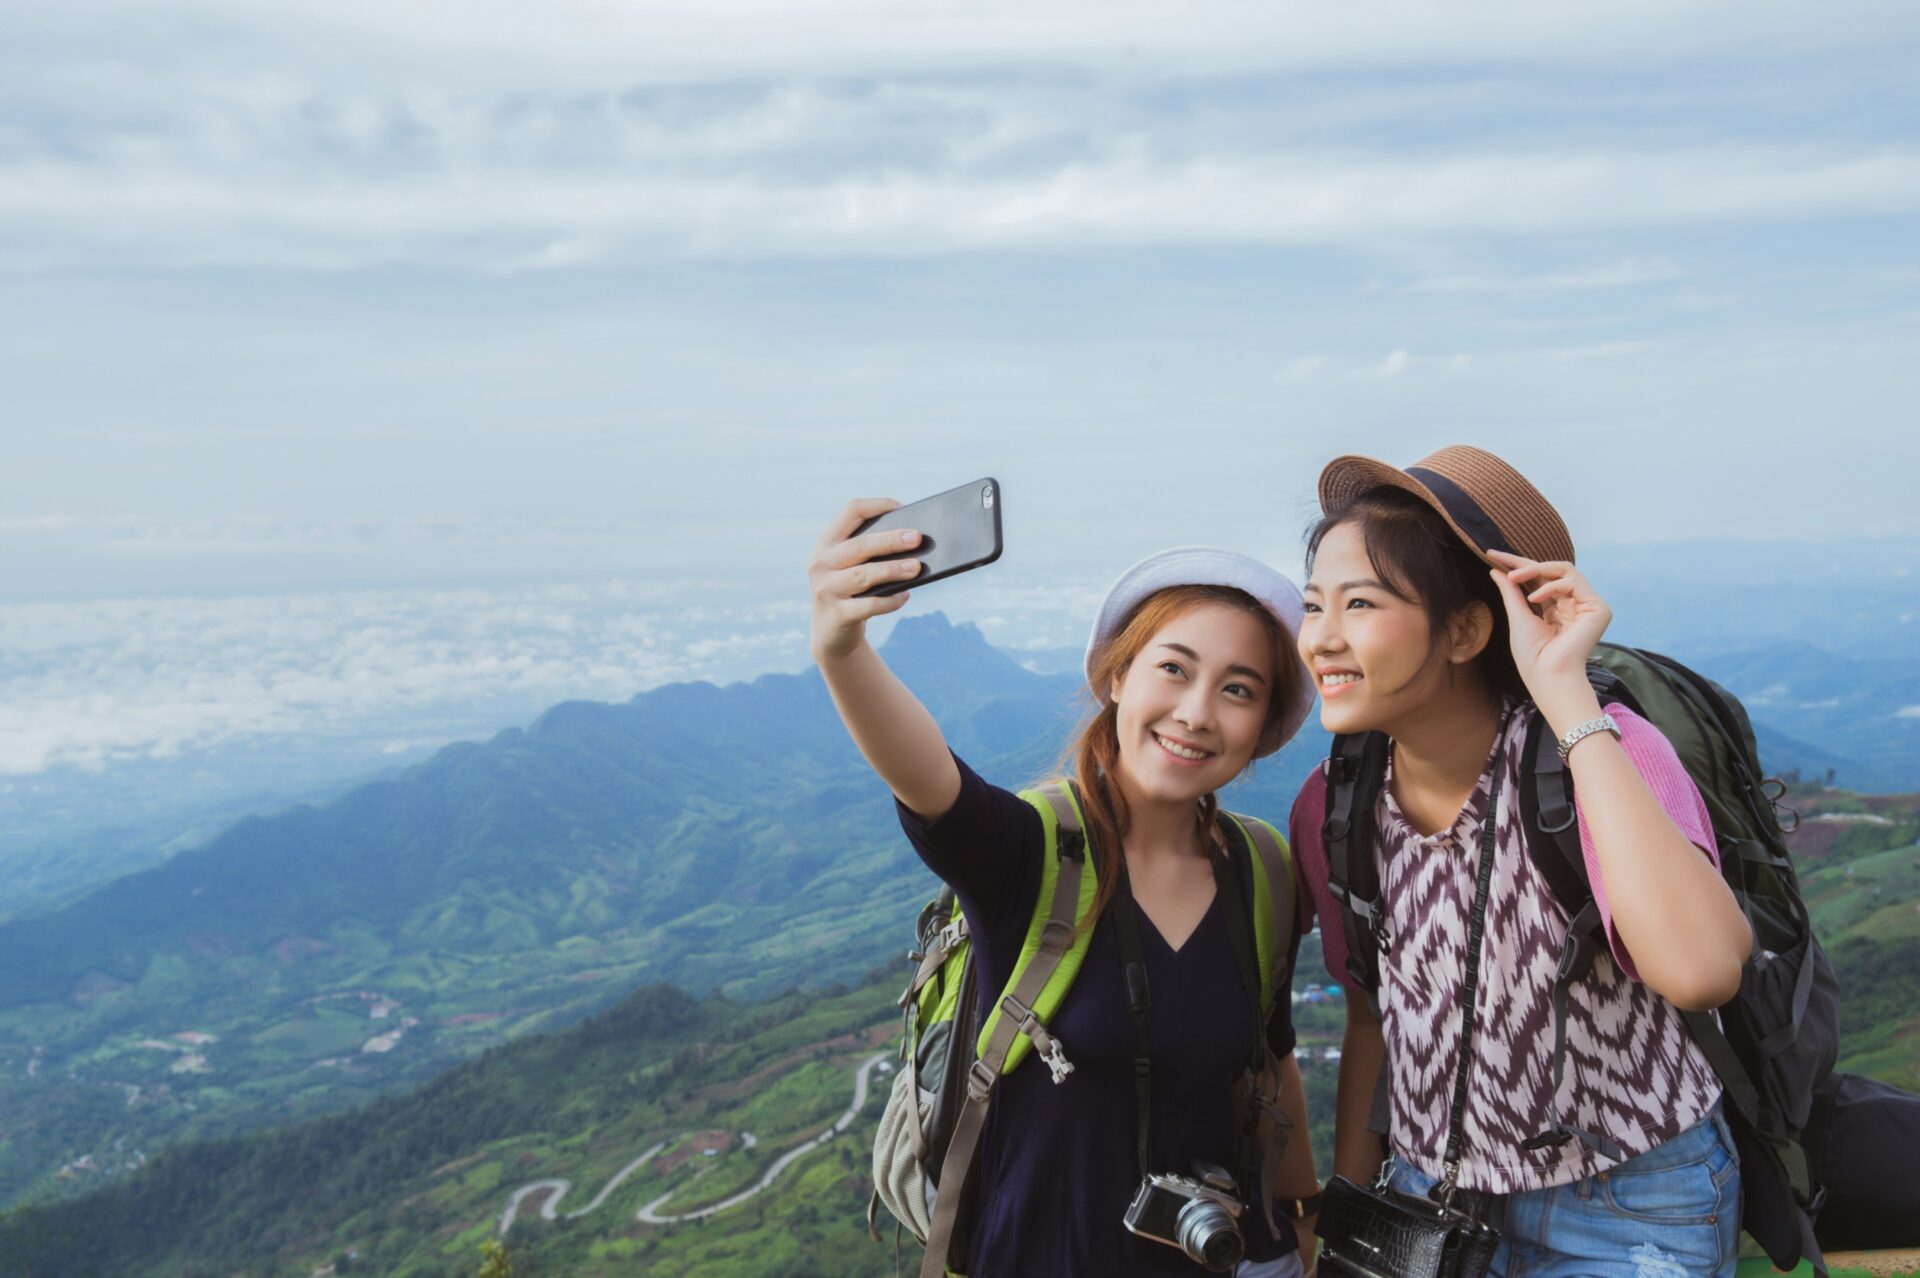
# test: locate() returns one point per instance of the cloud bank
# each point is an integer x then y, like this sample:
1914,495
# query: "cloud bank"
505,137
94,683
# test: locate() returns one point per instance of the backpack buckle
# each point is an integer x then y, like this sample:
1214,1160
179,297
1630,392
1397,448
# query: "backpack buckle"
1368,912
1055,935
1576,957
1552,1138
980,1080
1557,818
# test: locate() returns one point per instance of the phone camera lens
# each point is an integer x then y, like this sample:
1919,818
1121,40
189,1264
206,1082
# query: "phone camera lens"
986,496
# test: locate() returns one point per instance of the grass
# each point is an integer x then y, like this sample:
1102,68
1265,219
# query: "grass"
1763,1268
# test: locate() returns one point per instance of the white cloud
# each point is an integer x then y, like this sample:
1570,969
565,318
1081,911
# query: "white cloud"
498,215
91,684
1303,369
1691,300
345,133
503,43
1622,274
1399,363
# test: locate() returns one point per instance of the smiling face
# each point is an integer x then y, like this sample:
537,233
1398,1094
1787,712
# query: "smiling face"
1191,705
1371,652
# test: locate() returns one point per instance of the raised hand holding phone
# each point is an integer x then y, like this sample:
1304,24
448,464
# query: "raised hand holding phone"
847,565
862,566
959,531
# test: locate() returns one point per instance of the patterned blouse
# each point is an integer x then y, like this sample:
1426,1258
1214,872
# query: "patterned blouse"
1632,1074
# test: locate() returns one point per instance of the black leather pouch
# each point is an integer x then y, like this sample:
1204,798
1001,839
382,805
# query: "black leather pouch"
1381,1233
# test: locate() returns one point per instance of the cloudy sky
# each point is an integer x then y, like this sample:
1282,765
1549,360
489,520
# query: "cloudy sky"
379,305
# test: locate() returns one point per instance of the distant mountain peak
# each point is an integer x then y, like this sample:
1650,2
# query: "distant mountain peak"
933,629
933,654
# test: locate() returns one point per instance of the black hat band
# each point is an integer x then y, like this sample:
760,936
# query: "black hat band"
1463,510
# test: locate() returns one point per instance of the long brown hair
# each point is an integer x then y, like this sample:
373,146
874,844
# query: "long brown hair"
1093,755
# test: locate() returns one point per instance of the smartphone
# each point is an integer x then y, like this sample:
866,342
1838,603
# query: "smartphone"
959,530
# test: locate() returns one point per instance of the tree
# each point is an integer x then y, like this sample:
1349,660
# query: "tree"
496,1261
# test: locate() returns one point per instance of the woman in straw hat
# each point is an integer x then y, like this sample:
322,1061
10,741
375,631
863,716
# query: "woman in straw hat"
1443,610
1194,673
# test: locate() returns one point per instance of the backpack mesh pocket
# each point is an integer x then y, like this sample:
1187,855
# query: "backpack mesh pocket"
899,1149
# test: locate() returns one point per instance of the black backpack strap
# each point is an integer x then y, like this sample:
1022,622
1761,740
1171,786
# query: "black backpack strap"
1546,801
1734,1078
1380,1112
1577,953
1356,767
1553,844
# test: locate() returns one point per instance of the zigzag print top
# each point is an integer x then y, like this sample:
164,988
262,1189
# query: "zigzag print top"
1632,1071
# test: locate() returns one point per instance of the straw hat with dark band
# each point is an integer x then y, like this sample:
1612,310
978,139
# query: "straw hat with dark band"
1488,503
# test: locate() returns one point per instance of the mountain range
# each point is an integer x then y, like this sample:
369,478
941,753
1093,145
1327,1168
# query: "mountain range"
723,839
714,1139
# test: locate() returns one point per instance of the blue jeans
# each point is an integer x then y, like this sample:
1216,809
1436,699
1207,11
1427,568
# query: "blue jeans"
1287,1266
1672,1212
1279,1267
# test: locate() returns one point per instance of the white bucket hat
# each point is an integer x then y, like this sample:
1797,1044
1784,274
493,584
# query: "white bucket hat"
1206,566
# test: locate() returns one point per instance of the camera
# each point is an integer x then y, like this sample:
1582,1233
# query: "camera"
1199,1215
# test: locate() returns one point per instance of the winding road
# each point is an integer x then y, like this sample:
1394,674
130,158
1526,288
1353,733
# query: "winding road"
549,1210
650,1214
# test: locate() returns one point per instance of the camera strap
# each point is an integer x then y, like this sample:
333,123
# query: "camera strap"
1126,930
1126,923
1444,1192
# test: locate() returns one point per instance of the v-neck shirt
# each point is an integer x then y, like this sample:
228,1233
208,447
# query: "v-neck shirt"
1058,1164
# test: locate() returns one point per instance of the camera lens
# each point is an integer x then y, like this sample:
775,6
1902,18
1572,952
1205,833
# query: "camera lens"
1209,1235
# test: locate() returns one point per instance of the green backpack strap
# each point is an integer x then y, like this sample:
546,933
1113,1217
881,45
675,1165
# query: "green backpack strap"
1056,944
1049,959
1265,1122
1274,911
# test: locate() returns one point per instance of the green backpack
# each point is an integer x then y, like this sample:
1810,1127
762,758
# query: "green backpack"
950,1059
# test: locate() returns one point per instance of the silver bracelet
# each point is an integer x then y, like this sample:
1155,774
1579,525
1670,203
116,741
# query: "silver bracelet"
1604,723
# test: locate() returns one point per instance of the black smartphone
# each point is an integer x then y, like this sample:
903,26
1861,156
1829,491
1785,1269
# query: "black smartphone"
959,529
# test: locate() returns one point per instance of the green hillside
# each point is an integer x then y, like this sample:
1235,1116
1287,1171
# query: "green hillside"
413,1185
626,1107
1859,858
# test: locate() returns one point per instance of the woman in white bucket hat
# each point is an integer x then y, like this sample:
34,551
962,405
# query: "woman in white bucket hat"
1194,673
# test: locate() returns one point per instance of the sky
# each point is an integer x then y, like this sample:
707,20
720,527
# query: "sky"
347,345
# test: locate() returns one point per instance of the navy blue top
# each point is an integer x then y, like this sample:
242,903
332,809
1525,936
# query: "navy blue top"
1058,1165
